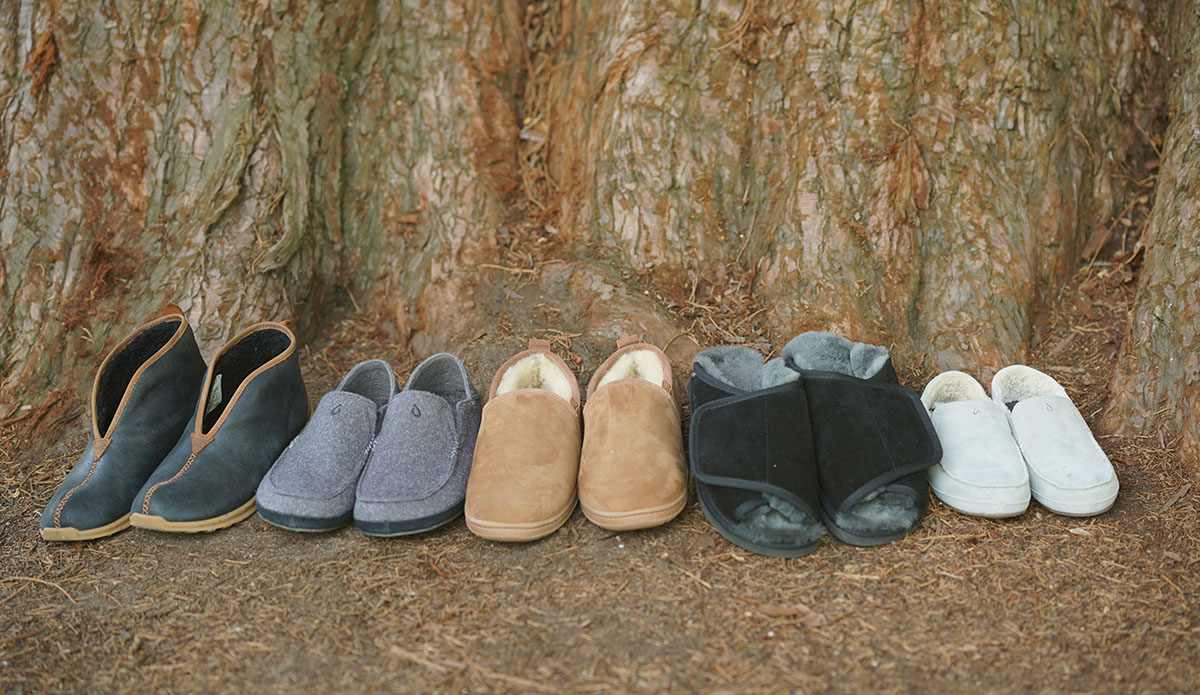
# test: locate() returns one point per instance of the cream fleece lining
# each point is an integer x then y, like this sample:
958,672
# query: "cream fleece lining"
635,364
535,371
1017,382
952,386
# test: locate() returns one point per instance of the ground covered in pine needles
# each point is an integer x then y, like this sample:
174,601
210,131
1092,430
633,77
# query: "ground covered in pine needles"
1040,603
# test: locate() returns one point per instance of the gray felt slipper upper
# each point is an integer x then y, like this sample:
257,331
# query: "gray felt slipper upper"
311,486
416,477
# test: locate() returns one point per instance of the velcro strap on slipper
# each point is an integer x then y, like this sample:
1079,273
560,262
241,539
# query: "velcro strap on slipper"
759,441
703,388
867,434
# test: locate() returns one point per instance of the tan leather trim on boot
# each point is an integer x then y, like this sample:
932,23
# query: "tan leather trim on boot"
206,391
98,447
199,441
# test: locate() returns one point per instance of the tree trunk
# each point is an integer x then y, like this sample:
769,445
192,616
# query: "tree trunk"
916,174
244,160
1156,390
910,173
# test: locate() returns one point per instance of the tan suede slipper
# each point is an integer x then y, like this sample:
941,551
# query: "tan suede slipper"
522,482
632,473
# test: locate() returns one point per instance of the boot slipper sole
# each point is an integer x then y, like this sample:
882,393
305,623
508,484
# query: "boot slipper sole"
157,523
67,533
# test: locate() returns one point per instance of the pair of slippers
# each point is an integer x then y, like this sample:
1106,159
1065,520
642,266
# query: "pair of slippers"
823,437
179,444
394,461
626,467
1028,438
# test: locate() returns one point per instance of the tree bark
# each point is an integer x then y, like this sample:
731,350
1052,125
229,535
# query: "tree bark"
244,160
1156,389
916,174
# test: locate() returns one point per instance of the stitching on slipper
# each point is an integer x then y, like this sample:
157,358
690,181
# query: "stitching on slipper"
146,501
62,503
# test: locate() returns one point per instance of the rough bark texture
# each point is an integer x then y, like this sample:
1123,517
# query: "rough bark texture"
244,160
916,174
910,173
1156,390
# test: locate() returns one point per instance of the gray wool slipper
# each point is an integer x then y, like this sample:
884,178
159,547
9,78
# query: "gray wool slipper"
311,487
416,477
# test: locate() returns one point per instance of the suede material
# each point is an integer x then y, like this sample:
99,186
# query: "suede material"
155,414
758,441
751,452
978,449
868,433
632,456
526,459
870,438
224,474
1058,446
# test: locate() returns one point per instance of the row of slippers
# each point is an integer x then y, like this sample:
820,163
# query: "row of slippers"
822,437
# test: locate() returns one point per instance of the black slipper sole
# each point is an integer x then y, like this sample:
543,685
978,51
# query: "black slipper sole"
718,522
862,541
304,524
409,527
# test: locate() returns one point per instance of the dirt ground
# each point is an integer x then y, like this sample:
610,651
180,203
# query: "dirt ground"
1041,603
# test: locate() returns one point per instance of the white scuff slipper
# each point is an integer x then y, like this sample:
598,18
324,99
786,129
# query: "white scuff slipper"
982,472
1068,471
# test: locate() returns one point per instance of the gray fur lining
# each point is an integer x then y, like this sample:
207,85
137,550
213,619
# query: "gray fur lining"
743,368
828,352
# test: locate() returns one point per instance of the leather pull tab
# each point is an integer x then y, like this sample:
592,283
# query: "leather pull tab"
170,308
539,344
199,441
98,447
629,339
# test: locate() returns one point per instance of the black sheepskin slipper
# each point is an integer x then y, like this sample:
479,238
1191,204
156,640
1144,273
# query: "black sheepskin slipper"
873,439
751,452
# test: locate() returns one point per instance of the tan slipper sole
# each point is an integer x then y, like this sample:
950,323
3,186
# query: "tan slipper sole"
636,519
157,523
68,533
519,533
